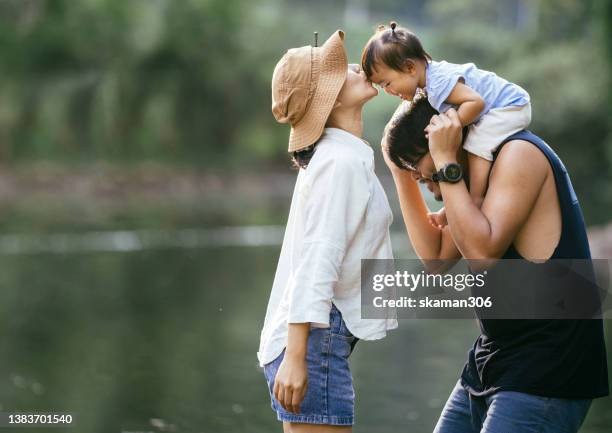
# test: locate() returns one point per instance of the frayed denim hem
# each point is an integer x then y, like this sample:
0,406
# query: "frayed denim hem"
315,419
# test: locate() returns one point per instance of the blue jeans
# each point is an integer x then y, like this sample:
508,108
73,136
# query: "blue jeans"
509,411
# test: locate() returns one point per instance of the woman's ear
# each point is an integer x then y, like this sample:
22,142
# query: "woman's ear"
409,66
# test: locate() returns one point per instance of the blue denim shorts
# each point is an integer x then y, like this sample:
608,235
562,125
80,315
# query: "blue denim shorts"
330,398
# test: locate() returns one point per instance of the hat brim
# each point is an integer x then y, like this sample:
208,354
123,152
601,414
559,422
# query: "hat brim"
332,75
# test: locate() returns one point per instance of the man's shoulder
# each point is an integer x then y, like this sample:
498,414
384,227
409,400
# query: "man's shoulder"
519,156
520,151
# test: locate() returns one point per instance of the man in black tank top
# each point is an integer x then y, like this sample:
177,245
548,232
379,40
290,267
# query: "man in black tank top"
521,375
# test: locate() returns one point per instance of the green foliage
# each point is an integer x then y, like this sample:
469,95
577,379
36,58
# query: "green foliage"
556,51
189,81
128,80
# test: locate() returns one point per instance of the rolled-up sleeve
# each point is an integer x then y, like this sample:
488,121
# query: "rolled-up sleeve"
441,80
336,201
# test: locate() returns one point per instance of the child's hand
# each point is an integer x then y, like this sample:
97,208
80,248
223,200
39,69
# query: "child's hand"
438,219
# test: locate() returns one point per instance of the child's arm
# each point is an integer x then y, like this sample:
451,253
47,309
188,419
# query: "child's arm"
470,103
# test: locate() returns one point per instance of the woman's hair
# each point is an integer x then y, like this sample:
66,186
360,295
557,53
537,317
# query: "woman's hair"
405,135
302,157
392,46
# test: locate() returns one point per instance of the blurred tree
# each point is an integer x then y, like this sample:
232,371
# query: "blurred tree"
550,48
189,81
100,78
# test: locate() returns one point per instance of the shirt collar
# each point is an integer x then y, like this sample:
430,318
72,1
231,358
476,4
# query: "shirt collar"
358,145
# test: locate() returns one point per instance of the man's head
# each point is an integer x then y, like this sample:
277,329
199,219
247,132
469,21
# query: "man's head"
407,145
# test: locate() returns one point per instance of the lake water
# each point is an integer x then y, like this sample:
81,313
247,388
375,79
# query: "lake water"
154,331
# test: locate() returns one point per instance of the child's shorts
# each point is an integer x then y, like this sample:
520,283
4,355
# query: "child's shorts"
485,136
330,398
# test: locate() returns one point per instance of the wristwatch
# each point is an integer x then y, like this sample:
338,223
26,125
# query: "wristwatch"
451,173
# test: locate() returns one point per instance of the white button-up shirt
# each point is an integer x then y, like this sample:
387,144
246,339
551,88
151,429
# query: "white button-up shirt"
339,215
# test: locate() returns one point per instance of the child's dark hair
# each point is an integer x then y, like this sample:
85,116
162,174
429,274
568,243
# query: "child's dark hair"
302,157
392,46
405,135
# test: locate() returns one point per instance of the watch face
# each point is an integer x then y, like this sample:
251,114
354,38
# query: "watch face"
452,172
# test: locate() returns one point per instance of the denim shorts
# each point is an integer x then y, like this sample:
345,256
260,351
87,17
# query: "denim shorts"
330,398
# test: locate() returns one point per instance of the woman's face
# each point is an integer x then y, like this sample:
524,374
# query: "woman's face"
357,90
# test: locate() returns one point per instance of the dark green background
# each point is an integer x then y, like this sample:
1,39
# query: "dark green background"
153,116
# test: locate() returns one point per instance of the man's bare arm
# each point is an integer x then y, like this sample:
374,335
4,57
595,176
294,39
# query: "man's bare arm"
516,181
428,242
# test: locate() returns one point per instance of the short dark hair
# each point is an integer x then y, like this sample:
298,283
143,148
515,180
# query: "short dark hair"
392,46
405,135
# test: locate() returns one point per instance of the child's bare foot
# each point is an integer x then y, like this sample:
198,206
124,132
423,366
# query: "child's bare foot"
438,219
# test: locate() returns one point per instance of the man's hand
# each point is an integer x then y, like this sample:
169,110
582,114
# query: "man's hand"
444,132
385,152
291,382
399,111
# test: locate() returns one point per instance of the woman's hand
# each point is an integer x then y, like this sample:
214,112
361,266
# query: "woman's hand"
444,132
291,379
291,382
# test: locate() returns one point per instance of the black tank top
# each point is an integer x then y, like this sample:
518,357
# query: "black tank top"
551,358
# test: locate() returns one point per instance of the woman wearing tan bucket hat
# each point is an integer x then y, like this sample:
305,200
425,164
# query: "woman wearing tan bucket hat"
339,215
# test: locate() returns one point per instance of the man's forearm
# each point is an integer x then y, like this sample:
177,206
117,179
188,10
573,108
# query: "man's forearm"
514,187
425,239
470,228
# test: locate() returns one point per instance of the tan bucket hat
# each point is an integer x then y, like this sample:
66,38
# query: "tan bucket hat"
305,86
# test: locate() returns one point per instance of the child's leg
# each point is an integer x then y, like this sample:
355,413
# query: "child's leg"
485,136
479,177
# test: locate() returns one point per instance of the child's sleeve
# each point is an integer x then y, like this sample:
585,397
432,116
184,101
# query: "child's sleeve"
441,81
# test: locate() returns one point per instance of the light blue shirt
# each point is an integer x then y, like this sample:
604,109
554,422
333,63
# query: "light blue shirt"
441,78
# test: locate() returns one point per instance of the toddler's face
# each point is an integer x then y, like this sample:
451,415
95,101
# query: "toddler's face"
402,84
